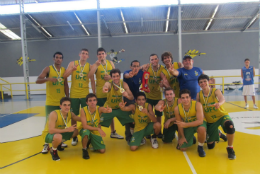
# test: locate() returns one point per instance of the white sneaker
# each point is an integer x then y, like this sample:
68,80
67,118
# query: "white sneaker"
255,107
64,145
154,143
45,149
143,141
115,135
74,141
246,106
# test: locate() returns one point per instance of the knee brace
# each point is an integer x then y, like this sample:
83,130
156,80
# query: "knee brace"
211,146
227,125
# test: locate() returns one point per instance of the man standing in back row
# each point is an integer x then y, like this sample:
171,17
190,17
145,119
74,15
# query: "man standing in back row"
79,70
56,88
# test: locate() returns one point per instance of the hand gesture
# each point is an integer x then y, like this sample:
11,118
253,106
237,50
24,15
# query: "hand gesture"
180,124
122,104
98,62
125,94
106,77
145,67
216,105
102,133
105,89
182,140
162,108
131,74
52,79
75,67
72,128
108,110
166,124
144,110
171,69
161,84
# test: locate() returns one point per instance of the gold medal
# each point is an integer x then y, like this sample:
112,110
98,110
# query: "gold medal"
81,74
122,90
81,69
140,108
59,79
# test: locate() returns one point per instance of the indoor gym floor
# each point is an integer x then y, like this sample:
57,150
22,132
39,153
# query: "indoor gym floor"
22,122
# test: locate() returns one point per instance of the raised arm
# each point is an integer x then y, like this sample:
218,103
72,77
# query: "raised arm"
52,120
71,67
130,107
128,94
106,87
93,68
165,82
42,78
173,71
221,99
160,106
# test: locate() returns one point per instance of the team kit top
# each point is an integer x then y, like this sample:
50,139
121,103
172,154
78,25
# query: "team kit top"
61,122
168,111
141,119
80,81
248,75
100,82
210,112
92,119
55,90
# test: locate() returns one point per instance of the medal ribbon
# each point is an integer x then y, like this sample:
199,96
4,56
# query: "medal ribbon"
81,69
57,71
92,118
64,120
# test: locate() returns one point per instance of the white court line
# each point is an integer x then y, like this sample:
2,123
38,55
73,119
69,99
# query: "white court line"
5,115
187,158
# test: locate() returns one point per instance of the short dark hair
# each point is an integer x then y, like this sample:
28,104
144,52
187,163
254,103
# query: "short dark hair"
203,76
134,61
100,49
140,94
153,55
184,91
168,89
90,95
84,49
165,54
246,59
57,53
113,71
63,99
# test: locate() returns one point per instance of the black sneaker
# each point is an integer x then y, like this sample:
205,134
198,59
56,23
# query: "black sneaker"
201,151
231,153
60,148
54,154
160,135
222,136
85,154
194,140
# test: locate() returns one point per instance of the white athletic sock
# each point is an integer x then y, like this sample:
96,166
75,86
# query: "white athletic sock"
54,148
131,131
200,144
85,148
230,146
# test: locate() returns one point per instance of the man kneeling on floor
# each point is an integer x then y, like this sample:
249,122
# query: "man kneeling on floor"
56,130
142,113
90,129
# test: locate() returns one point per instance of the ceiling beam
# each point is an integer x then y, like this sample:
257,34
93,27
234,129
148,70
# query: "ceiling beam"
251,22
124,22
209,24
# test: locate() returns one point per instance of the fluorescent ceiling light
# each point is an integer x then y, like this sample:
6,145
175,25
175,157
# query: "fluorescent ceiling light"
123,19
81,24
8,32
167,21
212,17
46,32
92,4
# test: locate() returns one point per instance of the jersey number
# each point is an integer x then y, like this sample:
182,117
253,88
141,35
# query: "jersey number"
58,90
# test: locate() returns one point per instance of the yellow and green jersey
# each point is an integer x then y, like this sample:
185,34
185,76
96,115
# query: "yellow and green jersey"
80,85
59,124
114,97
190,115
173,81
141,119
55,90
210,112
100,82
153,83
168,111
92,119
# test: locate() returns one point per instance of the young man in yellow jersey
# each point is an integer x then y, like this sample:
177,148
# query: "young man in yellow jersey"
57,130
56,88
167,59
90,129
212,101
116,89
155,83
167,107
79,70
189,118
143,114
102,68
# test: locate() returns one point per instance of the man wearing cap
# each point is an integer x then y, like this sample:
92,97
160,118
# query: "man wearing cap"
188,76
